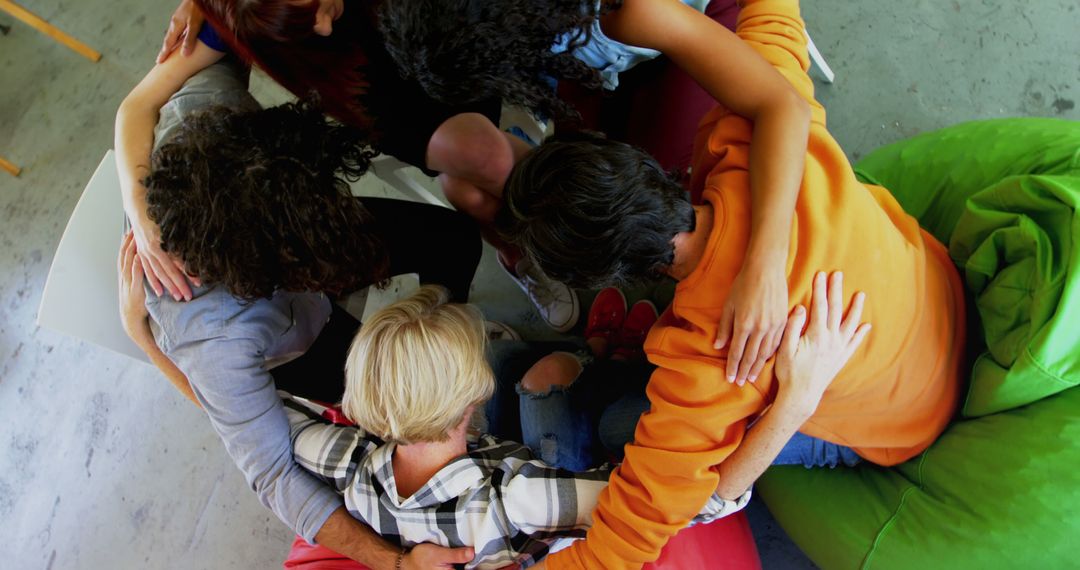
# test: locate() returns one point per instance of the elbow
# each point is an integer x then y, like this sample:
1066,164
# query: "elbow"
795,107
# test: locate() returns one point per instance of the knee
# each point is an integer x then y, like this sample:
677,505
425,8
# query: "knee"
558,369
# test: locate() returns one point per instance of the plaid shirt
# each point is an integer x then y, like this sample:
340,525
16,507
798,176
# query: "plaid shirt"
510,507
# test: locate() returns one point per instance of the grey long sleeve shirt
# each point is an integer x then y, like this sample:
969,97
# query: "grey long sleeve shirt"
225,347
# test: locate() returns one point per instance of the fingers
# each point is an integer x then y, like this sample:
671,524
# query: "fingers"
854,316
122,256
156,271
180,267
194,26
723,334
856,340
735,354
189,43
793,331
764,354
458,555
835,309
749,357
151,276
177,279
820,305
172,39
136,271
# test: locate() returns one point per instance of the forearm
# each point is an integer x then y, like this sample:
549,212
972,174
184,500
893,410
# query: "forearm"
777,159
134,139
175,376
763,442
349,537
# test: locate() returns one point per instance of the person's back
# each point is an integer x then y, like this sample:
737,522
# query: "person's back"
415,374
900,389
893,398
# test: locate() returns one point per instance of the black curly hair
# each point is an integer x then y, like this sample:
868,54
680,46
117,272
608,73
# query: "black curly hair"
593,212
258,201
463,51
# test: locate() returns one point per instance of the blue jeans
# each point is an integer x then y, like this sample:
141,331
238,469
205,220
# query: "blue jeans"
588,422
574,427
813,452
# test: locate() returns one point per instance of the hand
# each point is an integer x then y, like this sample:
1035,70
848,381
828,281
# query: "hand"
807,363
162,270
752,323
425,556
184,26
133,313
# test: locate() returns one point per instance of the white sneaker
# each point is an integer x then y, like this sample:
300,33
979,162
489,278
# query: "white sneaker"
557,304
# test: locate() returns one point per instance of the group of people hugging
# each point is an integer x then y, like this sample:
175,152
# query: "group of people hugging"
395,443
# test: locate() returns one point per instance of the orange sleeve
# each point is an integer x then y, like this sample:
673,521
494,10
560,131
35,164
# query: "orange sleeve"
697,419
777,32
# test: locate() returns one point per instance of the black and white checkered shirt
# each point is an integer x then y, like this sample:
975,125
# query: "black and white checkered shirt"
510,507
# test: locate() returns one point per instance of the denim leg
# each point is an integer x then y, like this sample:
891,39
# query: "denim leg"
812,452
557,430
510,360
618,422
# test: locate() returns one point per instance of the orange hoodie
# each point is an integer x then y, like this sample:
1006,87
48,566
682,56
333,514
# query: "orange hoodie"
893,398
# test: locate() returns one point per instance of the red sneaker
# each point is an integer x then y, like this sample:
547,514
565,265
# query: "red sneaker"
631,337
606,315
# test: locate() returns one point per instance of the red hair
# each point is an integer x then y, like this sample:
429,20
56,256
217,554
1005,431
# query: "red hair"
278,36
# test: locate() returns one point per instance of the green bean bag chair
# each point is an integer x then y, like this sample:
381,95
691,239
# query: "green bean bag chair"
1001,487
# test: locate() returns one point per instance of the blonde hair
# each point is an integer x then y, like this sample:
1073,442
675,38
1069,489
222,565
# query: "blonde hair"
415,367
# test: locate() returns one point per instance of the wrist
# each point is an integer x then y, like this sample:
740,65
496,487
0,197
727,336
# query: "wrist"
764,259
796,410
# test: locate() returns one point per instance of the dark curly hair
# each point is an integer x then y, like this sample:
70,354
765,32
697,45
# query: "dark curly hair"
463,51
258,201
593,212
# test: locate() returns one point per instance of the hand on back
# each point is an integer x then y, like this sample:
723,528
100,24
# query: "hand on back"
807,362
183,31
164,272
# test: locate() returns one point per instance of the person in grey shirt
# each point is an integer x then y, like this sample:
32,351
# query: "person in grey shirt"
256,205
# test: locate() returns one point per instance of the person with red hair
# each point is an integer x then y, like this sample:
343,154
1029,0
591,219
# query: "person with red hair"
319,48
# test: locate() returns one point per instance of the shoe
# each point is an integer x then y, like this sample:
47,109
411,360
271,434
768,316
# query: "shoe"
556,303
606,315
631,337
500,331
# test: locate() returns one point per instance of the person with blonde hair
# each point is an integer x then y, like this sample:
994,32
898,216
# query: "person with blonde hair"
411,468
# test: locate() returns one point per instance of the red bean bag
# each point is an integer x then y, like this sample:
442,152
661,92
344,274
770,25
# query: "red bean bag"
726,544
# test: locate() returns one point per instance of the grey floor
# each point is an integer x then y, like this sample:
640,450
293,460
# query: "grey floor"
105,466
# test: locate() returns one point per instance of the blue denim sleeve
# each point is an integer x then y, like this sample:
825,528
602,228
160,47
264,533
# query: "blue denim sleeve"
243,406
209,36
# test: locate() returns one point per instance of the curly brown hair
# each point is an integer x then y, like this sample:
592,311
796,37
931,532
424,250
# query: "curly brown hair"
463,51
259,201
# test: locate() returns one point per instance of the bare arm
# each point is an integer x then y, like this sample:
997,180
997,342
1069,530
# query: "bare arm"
805,366
134,316
134,139
741,80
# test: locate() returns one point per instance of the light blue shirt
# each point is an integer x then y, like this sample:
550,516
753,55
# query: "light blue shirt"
226,348
610,57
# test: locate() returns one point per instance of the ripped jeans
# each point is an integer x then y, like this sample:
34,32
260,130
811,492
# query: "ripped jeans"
575,427
588,422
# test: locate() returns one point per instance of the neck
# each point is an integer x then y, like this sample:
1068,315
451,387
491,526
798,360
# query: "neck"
416,463
690,246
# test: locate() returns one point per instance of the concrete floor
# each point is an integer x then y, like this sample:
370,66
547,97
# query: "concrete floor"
105,466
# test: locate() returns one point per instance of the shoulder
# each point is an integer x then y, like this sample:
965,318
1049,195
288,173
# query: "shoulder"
214,315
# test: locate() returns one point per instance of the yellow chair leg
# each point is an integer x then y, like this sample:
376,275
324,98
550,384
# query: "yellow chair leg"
10,168
48,29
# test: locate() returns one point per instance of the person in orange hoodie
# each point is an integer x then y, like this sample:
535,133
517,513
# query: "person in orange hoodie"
593,212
